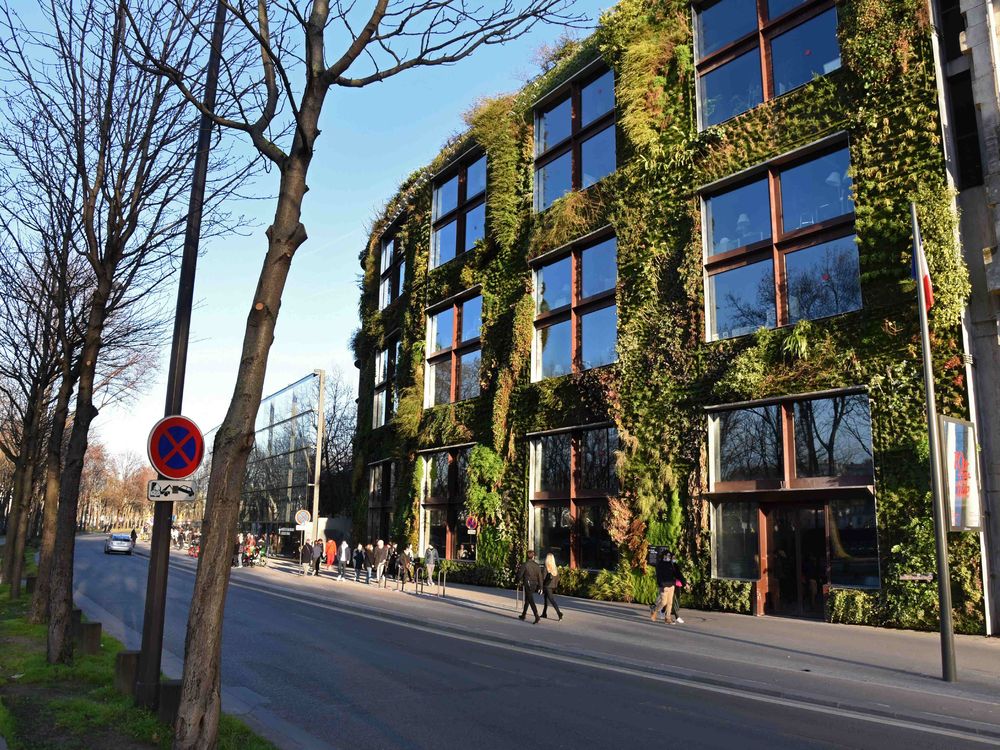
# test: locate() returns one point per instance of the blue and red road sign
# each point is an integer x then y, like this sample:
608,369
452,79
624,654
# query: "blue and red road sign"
176,447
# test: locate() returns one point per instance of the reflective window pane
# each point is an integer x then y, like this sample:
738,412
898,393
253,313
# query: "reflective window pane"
597,156
381,362
388,250
468,375
401,276
599,337
465,541
551,532
731,88
553,125
741,300
597,98
777,8
446,197
440,330
597,461
375,493
738,217
441,380
725,22
378,409
436,529
553,286
472,318
823,280
443,244
553,353
746,444
735,540
553,181
475,225
599,268
833,437
808,50
597,550
854,543
437,474
550,467
815,191
384,293
475,178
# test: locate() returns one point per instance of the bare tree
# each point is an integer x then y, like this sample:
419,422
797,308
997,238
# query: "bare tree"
130,140
304,47
337,450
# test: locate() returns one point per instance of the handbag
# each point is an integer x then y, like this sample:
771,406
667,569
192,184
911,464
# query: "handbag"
679,584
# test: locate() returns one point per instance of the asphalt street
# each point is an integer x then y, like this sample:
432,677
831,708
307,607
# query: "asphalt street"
315,674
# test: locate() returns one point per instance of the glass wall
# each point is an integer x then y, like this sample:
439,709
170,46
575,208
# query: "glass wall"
736,542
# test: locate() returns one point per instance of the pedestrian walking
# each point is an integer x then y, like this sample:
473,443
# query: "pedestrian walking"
317,556
369,562
392,561
430,562
404,563
331,553
305,557
381,558
134,535
549,585
529,575
239,550
345,557
359,562
679,584
666,579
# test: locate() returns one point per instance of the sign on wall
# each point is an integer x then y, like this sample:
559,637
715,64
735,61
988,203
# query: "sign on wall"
960,464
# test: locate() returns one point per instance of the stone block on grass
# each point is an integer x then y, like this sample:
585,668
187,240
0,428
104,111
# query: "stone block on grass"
170,701
126,671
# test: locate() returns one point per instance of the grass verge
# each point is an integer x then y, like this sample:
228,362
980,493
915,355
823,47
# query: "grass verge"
45,707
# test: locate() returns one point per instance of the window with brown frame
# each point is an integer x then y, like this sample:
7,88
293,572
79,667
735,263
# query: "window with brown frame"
392,272
382,479
576,320
459,210
750,51
443,521
575,138
800,443
386,396
573,475
453,352
780,246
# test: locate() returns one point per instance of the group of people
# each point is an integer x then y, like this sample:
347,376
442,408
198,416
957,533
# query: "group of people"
377,560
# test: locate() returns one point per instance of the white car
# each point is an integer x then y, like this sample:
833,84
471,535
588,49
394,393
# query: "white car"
118,544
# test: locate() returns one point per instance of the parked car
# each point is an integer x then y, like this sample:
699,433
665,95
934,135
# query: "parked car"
118,544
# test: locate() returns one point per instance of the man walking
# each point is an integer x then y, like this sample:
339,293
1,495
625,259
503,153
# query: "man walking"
530,576
430,562
381,557
305,557
345,557
317,556
666,577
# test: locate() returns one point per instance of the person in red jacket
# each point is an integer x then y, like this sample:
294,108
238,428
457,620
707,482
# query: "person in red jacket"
331,553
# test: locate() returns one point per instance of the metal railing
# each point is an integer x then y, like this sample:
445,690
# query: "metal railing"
442,582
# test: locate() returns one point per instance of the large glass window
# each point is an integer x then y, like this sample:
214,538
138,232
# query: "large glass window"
572,476
735,538
381,499
459,210
576,321
575,139
797,39
387,363
833,437
392,271
453,352
854,543
747,444
814,251
443,505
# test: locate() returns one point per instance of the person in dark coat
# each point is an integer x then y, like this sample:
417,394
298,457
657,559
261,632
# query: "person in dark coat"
666,578
678,584
306,556
549,585
529,575
359,562
369,562
317,556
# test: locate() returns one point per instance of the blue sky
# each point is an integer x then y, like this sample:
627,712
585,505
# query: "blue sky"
371,140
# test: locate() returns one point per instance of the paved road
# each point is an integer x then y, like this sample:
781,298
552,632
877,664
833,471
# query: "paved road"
321,674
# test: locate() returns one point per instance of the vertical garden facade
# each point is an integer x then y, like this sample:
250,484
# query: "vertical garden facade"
661,296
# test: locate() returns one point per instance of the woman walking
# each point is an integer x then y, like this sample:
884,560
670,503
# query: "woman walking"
549,586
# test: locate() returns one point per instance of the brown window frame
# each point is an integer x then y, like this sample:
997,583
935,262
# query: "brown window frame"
388,385
453,353
577,307
453,503
578,134
395,273
386,502
767,30
464,203
780,243
576,497
785,487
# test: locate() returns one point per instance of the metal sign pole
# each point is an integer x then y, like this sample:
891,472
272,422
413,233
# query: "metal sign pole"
147,687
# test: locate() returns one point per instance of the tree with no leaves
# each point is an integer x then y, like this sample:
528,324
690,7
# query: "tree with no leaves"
304,48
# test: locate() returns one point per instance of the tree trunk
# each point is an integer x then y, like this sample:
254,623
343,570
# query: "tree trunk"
13,518
198,716
53,469
21,531
60,641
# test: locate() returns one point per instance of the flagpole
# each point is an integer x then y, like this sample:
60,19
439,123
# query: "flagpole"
940,528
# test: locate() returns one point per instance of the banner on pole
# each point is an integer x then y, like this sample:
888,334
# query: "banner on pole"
960,464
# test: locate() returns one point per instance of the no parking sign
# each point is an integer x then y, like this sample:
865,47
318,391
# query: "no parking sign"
175,447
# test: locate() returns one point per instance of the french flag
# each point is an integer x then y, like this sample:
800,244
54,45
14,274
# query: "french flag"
921,275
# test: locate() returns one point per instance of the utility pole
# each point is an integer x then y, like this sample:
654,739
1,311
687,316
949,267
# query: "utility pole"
147,687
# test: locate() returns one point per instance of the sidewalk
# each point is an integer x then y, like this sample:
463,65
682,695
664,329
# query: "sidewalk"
886,670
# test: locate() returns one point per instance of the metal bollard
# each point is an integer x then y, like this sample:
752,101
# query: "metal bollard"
518,594
442,582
